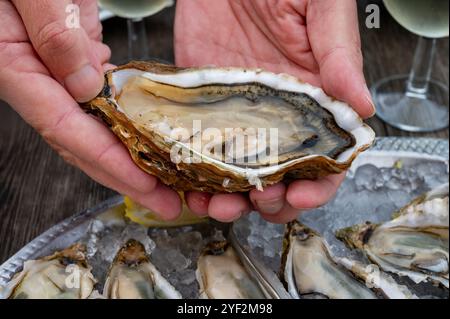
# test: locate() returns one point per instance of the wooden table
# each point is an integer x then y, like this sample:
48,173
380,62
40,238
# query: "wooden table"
38,189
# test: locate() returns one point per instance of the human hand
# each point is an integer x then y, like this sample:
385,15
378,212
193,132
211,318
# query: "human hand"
317,41
44,68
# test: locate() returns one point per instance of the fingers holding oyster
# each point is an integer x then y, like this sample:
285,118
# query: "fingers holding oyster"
154,109
315,41
65,65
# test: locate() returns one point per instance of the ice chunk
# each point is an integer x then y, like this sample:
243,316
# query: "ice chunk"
139,233
368,177
177,251
434,173
92,237
264,240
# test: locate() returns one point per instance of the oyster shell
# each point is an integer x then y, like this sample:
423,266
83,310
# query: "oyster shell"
266,278
133,276
380,281
221,275
63,275
147,105
225,270
414,243
309,270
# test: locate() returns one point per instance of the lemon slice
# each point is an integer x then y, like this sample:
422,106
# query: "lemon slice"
147,218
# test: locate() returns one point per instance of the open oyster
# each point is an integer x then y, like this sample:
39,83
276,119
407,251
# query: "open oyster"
133,276
226,271
227,129
63,275
309,270
414,243
378,280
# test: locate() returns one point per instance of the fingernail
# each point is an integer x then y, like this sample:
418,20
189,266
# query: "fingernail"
203,199
269,207
232,219
84,84
369,100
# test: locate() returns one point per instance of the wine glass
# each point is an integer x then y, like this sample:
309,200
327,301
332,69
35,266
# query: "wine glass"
415,102
135,11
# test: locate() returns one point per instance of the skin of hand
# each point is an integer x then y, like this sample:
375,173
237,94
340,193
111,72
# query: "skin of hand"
317,41
61,66
45,68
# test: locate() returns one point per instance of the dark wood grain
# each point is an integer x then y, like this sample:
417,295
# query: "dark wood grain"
38,189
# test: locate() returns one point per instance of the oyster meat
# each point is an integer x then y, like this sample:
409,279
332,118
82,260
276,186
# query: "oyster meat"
133,276
309,270
63,275
414,243
227,129
224,271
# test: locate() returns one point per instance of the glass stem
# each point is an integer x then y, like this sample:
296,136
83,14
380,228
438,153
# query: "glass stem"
421,69
137,39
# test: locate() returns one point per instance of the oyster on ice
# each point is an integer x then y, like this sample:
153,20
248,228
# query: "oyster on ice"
309,270
133,276
63,275
223,272
414,243
377,279
212,129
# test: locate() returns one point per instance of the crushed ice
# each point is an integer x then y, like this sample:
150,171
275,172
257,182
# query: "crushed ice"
369,193
174,252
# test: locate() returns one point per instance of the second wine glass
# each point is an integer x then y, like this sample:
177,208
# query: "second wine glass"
135,11
415,102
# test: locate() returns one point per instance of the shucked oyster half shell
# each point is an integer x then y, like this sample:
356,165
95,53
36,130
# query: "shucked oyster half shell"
414,243
212,129
221,275
133,276
226,270
63,275
309,269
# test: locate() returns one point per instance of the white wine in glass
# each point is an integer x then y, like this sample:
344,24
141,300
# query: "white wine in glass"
427,18
415,102
135,11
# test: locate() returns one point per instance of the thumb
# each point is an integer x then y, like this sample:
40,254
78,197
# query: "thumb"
335,41
67,52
